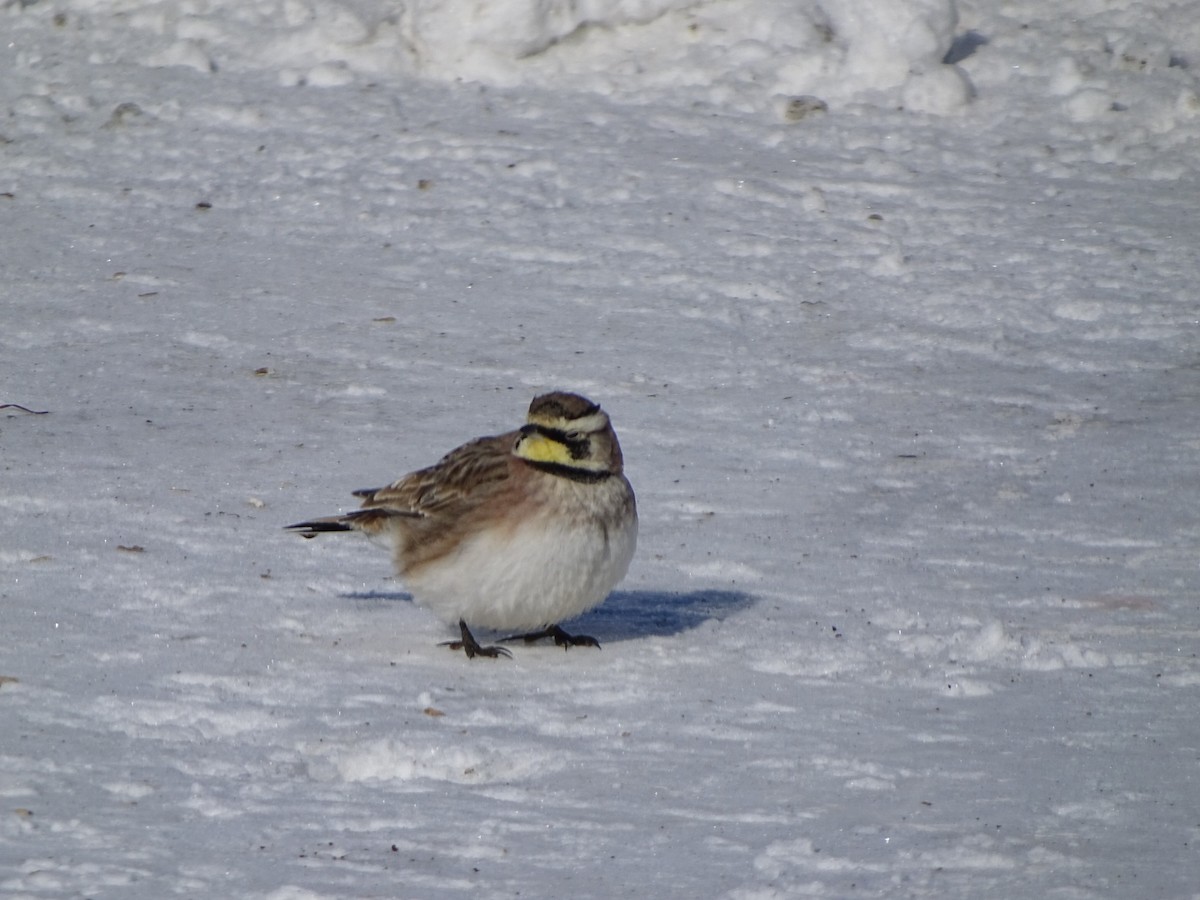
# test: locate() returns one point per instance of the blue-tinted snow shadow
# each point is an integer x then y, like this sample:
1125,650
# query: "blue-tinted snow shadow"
374,599
628,615
625,615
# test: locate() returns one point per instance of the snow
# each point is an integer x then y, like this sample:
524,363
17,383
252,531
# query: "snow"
903,358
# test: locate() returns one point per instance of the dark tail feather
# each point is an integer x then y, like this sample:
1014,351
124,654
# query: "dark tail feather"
314,527
371,520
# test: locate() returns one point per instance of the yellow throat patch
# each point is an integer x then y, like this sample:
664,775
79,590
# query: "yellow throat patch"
537,447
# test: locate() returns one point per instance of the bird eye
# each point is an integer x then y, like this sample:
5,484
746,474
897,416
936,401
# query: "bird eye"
574,436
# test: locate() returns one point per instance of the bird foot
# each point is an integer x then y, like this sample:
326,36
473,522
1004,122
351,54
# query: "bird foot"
472,647
561,638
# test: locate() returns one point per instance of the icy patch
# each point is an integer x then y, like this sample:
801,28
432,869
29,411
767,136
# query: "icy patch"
128,790
725,571
293,892
461,762
784,859
180,721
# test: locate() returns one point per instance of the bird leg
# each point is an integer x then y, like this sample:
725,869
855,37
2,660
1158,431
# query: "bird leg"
561,638
472,647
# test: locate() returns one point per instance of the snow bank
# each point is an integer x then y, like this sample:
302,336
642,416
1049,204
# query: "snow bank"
728,53
724,52
786,57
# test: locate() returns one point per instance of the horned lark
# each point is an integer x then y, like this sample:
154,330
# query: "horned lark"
519,531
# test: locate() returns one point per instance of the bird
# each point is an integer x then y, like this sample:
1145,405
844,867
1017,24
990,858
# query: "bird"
512,532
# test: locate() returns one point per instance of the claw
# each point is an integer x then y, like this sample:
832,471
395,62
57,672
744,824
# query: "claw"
561,638
472,647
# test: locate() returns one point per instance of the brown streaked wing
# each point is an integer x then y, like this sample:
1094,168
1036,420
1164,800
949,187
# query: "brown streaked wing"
476,465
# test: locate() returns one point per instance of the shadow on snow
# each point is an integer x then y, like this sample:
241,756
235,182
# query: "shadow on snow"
625,615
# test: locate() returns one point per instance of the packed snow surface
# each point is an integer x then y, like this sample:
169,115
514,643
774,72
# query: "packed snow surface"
892,302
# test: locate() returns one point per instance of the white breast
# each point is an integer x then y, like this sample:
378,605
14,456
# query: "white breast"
538,574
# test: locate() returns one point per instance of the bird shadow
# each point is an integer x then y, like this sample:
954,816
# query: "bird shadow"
625,615
628,615
369,599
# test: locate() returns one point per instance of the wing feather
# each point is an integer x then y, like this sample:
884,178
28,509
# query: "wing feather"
453,484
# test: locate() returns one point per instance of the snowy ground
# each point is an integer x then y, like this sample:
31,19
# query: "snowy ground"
909,389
